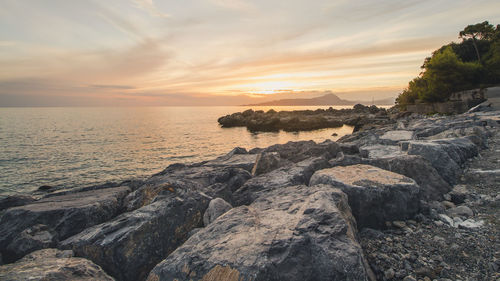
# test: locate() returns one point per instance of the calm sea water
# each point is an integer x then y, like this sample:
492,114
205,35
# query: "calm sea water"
74,147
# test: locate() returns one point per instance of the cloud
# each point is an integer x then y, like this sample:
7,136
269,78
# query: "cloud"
149,6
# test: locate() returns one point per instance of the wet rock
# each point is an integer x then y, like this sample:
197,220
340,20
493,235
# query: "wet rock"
31,239
54,265
216,207
129,246
460,211
268,161
296,233
15,200
65,215
375,195
293,174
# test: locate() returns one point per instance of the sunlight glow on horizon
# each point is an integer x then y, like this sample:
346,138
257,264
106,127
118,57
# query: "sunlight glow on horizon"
211,52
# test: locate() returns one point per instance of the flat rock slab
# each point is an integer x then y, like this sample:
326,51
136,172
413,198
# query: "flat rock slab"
375,195
130,245
66,215
397,135
54,265
294,233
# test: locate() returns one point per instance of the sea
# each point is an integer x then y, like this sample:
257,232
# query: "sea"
70,147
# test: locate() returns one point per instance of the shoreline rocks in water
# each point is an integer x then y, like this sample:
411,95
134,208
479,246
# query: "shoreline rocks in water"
305,120
414,198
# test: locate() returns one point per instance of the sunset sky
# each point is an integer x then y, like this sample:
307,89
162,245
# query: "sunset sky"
219,52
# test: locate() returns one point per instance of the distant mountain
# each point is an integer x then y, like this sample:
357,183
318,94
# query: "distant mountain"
329,99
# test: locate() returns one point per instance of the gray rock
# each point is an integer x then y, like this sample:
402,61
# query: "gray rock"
293,174
375,195
216,207
294,233
409,278
31,239
268,161
397,135
243,161
444,218
380,151
302,150
15,200
460,211
54,265
458,194
65,215
432,185
212,180
349,148
130,245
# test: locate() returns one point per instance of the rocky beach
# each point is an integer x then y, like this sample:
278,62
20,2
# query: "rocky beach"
405,197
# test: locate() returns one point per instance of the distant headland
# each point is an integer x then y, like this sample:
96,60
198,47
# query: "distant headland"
326,100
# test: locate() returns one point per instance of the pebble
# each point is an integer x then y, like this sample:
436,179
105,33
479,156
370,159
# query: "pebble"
389,274
448,204
409,278
399,224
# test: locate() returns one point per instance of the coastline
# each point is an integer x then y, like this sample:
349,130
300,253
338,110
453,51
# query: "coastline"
301,194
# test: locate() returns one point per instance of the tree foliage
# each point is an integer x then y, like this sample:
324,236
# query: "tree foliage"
472,63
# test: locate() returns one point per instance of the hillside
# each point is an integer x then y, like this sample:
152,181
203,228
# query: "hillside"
329,99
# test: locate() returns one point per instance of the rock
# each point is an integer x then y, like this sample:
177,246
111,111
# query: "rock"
379,151
302,150
268,161
214,181
389,274
45,188
460,211
15,200
375,195
409,278
399,224
31,239
293,233
437,156
65,215
55,265
470,224
349,148
458,194
130,245
216,207
444,218
243,161
398,135
293,174
448,204
432,185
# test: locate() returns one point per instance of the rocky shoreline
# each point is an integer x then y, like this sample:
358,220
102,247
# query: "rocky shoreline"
413,198
306,120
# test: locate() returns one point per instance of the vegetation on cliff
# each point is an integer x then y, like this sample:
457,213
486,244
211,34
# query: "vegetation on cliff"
472,63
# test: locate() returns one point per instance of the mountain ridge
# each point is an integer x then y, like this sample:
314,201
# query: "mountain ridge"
328,99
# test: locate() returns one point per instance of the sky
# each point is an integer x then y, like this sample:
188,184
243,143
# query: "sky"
219,52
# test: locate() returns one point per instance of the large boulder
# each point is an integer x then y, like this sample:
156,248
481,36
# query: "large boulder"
65,215
215,209
130,245
31,239
53,265
375,195
380,151
445,155
293,174
294,233
212,180
243,161
432,185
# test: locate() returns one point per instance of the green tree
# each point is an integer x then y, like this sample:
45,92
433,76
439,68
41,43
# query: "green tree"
478,31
